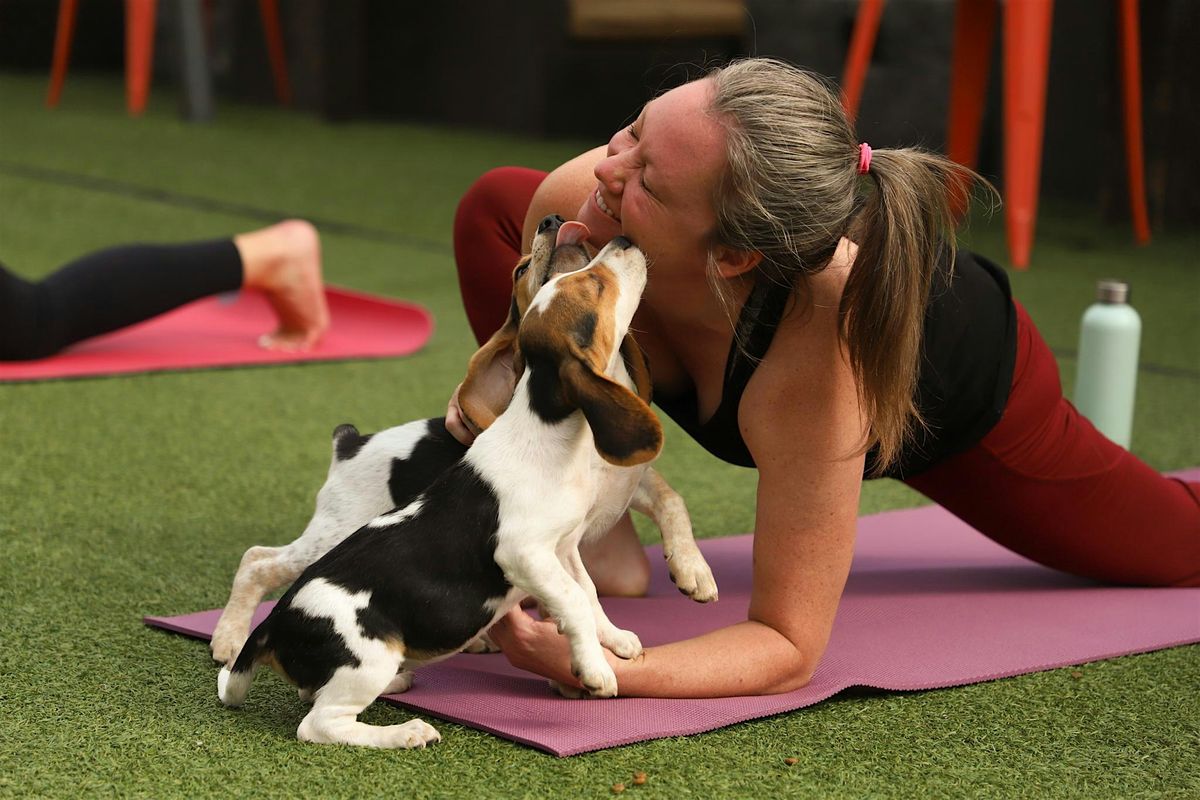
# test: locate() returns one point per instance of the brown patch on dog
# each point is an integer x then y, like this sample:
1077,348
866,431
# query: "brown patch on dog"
494,369
575,330
525,286
579,318
271,660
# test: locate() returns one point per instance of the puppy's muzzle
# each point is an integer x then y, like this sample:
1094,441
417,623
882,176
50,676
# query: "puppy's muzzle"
550,223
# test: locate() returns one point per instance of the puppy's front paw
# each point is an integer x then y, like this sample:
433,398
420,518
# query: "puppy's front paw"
415,733
598,679
622,643
692,575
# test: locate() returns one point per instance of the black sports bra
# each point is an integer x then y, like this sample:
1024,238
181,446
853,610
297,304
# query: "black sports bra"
968,353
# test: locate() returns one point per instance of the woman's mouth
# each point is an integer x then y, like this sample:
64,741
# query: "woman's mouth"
604,206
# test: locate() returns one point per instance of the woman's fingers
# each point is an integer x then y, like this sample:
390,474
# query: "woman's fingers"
455,423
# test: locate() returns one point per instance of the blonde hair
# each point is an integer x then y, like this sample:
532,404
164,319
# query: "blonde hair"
791,190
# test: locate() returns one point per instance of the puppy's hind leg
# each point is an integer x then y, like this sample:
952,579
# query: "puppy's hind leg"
481,644
401,683
262,570
333,718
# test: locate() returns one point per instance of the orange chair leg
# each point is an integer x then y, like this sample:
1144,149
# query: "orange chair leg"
269,11
862,42
62,49
1131,69
139,52
1026,61
974,29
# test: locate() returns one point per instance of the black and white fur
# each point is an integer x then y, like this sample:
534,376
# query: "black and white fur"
370,474
417,584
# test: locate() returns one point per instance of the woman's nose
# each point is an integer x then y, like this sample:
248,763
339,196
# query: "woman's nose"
611,173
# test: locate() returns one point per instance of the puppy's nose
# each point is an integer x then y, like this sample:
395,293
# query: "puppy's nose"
547,223
621,243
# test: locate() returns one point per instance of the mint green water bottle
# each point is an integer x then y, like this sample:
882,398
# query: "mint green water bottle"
1109,338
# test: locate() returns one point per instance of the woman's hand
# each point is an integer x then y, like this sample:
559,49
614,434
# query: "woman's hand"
456,421
534,645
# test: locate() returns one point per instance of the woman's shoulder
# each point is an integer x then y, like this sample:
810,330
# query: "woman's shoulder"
804,390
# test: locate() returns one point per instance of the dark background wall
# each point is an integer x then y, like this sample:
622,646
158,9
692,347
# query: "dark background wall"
513,66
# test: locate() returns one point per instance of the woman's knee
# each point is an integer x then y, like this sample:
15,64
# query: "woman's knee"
497,202
487,242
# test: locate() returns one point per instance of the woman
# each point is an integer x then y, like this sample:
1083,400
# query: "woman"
854,351
119,286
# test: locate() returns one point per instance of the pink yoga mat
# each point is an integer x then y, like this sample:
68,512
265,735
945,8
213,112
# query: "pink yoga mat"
930,603
223,331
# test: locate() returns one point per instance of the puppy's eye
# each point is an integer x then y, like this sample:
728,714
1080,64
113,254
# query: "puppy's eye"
521,270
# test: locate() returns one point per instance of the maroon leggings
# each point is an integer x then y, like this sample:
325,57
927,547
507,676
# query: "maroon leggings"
1043,483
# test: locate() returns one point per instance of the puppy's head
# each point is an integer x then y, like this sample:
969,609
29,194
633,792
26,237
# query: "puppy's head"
571,340
493,371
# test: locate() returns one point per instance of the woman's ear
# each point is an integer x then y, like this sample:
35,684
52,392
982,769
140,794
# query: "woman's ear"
732,262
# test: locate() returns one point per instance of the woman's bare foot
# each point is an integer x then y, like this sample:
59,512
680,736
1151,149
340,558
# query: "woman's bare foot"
617,562
284,261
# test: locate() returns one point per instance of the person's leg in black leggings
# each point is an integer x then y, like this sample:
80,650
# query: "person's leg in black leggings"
120,286
108,290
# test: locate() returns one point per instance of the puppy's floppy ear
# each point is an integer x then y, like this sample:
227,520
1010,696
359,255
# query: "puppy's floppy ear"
638,366
492,375
625,430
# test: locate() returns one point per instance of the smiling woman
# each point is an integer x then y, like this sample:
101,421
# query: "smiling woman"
808,314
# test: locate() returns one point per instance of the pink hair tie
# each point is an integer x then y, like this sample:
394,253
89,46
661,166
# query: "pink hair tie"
864,158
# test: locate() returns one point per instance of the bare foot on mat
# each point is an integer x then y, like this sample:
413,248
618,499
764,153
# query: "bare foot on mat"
284,261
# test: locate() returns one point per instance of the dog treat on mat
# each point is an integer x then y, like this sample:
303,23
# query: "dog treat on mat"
930,603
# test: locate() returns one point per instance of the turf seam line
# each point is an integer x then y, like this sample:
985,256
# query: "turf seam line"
197,202
1156,369
164,197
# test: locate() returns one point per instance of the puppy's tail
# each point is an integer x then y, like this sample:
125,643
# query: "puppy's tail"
347,441
233,683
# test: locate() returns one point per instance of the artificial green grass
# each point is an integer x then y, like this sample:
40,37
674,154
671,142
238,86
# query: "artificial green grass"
126,496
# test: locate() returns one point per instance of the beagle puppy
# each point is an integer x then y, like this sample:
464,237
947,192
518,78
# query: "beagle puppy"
374,473
417,584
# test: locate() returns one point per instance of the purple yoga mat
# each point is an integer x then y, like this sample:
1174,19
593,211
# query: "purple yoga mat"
930,603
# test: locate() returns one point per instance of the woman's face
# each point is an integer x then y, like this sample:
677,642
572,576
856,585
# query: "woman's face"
656,184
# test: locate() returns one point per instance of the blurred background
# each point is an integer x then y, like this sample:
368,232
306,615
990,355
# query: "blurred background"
132,495
573,69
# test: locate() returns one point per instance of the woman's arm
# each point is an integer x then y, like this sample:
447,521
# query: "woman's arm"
802,549
800,418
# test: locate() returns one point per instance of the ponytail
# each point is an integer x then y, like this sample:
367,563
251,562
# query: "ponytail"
905,232
796,182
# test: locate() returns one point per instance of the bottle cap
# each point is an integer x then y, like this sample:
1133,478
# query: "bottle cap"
1112,291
